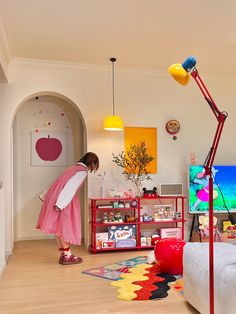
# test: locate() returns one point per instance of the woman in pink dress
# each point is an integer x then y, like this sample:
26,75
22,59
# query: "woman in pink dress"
60,213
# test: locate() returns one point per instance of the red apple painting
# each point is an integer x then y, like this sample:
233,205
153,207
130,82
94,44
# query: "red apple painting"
48,148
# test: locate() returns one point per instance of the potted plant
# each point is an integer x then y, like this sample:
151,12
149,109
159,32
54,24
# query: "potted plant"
134,163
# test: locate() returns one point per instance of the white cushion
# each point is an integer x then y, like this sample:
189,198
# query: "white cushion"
196,276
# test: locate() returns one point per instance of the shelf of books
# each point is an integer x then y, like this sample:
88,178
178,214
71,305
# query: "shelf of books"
128,224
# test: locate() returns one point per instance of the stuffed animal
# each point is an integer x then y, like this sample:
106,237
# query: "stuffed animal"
150,193
204,227
129,193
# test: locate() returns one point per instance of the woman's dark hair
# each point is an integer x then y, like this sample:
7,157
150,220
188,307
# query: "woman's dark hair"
91,160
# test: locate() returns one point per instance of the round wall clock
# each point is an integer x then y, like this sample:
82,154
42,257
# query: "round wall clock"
172,126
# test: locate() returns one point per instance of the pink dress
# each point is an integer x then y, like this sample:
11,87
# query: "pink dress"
67,223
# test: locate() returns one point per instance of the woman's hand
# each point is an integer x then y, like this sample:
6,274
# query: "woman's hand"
58,209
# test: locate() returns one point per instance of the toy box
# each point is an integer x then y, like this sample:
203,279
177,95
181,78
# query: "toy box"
171,233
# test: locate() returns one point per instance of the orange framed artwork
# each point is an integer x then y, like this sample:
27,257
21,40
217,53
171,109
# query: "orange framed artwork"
135,135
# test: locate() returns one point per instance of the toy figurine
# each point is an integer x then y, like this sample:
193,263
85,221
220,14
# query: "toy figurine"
105,217
110,217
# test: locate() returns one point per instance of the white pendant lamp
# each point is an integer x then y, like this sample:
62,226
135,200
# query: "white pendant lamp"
113,123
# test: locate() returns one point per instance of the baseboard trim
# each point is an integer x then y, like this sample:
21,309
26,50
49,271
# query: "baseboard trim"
35,238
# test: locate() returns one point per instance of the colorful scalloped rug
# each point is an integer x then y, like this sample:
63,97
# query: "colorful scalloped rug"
137,280
143,282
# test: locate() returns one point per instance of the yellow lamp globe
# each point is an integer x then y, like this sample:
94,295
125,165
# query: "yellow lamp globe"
179,73
113,123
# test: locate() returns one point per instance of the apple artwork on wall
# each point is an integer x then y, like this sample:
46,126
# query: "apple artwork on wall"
49,149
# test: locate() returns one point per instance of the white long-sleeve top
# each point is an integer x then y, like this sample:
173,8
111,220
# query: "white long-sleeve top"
68,192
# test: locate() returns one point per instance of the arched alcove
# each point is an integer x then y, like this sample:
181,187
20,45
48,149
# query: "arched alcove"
52,113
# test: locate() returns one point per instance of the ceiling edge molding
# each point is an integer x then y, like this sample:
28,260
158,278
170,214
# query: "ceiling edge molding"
73,66
78,66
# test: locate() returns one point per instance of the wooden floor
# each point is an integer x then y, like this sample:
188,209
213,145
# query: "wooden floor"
34,283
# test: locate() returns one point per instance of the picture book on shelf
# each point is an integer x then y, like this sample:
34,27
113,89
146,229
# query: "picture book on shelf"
122,232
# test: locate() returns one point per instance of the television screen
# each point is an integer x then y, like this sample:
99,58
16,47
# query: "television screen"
224,190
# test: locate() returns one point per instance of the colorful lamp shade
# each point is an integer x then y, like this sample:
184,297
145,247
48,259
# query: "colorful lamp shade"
180,72
113,123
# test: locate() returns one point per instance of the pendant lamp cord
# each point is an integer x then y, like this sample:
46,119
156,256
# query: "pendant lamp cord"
113,60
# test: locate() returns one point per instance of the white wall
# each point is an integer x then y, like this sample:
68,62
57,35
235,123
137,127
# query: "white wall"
147,99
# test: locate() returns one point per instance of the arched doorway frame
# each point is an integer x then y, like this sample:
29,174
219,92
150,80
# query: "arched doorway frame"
10,229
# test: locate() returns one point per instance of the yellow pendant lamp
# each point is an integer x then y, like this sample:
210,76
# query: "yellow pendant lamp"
113,123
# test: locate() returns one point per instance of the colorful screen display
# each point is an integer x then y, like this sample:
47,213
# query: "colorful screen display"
224,190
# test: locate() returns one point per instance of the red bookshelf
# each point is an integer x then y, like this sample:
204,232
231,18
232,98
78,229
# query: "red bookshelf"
109,218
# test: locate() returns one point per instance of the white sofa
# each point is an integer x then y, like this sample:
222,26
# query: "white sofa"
196,277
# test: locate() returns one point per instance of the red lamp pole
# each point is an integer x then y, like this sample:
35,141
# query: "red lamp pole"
220,116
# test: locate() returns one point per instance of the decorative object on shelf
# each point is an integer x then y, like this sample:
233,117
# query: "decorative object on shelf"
117,216
115,191
126,243
163,213
108,244
110,217
105,217
155,238
129,193
116,204
134,164
147,218
178,215
173,127
134,203
121,204
102,187
113,123
129,218
170,189
168,233
150,193
100,238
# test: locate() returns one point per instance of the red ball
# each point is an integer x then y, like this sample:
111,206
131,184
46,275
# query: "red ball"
169,255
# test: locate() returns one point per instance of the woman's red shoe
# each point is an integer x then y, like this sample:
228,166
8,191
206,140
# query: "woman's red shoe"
71,260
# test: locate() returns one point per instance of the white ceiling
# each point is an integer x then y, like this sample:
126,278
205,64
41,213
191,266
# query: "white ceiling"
148,34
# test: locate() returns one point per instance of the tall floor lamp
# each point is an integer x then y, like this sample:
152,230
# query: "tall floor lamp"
180,72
